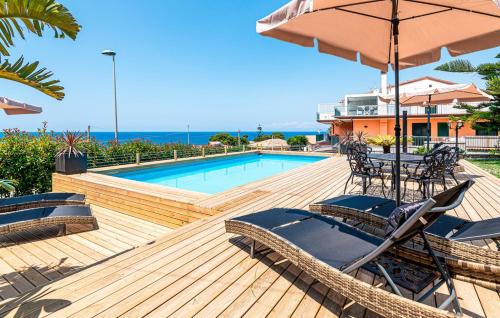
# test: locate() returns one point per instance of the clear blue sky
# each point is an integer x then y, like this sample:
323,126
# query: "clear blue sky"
194,61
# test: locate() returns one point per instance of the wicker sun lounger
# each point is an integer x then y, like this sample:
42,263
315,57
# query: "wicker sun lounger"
445,235
331,251
69,218
375,211
41,200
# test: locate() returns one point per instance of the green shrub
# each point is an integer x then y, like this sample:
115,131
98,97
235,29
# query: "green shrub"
421,150
297,140
275,135
228,140
28,160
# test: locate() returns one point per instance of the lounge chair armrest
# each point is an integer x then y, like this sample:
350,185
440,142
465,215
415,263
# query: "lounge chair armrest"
455,204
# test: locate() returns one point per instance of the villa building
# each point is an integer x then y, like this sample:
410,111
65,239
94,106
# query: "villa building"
373,112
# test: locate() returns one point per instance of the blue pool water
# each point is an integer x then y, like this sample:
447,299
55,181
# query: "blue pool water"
216,175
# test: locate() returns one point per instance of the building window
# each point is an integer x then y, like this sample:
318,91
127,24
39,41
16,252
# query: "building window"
485,129
443,130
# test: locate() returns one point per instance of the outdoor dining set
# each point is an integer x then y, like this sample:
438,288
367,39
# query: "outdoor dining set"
426,170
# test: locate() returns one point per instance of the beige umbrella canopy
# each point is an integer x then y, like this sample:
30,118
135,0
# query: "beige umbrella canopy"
271,143
12,107
461,93
347,27
403,33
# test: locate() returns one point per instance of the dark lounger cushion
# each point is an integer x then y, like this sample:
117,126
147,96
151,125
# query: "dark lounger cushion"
52,196
358,202
332,242
272,218
38,213
479,230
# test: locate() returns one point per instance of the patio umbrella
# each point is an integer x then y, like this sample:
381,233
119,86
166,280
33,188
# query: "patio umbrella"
12,107
459,93
401,33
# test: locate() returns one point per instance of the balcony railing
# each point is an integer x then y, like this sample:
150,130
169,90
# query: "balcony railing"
332,111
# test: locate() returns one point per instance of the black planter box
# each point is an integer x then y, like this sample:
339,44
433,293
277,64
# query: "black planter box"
70,164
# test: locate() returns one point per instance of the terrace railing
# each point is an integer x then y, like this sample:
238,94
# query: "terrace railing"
331,111
98,161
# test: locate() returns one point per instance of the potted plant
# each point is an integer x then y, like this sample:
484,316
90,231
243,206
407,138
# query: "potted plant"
359,137
345,140
386,141
70,159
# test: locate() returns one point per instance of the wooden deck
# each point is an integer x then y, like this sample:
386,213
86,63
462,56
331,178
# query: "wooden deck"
199,270
35,258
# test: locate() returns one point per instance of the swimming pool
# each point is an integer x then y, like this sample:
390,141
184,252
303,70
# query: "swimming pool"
217,175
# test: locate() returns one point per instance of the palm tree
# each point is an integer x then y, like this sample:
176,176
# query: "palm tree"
18,17
484,113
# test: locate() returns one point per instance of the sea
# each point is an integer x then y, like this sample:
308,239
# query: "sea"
194,137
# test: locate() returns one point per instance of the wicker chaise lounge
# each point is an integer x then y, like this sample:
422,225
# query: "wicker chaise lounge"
69,218
331,251
448,231
445,235
375,211
41,200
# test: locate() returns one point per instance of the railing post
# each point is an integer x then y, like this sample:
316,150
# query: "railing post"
137,158
225,150
203,151
175,154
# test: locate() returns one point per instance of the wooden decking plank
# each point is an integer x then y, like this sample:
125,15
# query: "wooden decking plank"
14,277
42,254
29,259
136,229
124,286
253,292
199,301
312,301
294,295
273,294
331,306
490,301
57,248
148,297
182,298
78,289
61,255
469,299
6,289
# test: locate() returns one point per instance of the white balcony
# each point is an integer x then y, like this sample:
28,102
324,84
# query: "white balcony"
332,111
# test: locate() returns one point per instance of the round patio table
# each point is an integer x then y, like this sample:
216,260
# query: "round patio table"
405,157
391,157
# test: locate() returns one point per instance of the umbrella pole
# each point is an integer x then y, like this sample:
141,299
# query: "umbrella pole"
428,108
397,127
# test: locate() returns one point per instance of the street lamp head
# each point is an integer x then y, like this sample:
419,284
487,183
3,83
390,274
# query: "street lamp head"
108,53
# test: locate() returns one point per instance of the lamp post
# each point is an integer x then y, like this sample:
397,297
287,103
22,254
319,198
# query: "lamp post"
428,110
113,54
188,141
458,124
